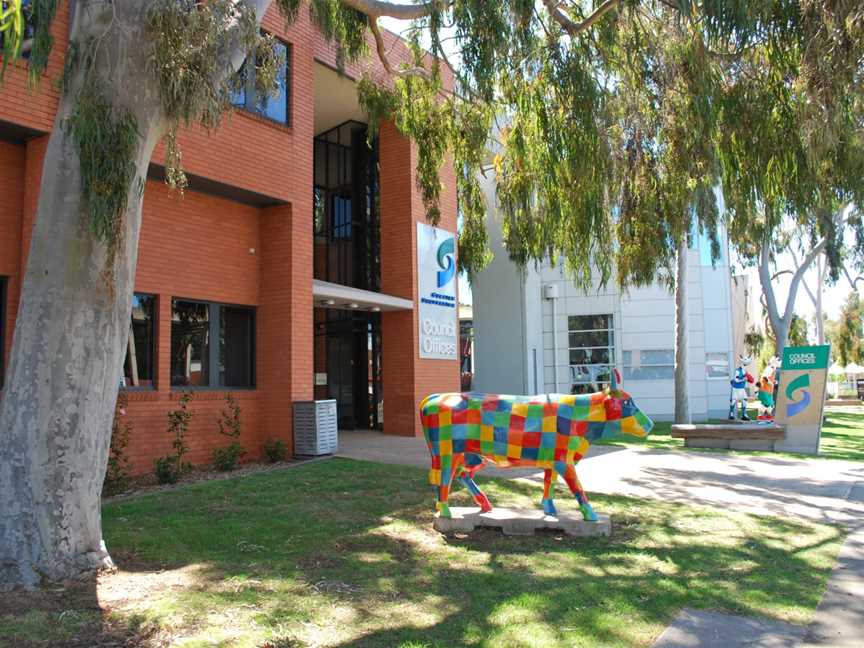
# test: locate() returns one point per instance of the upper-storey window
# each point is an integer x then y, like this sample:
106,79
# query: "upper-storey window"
276,106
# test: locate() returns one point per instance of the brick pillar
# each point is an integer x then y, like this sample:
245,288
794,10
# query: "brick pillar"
407,379
285,350
12,158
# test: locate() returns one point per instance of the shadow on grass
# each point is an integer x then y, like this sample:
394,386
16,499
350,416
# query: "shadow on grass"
342,553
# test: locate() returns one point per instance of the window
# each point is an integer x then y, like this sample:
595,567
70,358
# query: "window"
139,366
2,330
341,217
194,327
717,365
591,343
275,107
649,365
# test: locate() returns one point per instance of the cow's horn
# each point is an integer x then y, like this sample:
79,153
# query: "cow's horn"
614,377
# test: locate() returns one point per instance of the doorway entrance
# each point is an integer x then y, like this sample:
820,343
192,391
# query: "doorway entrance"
348,349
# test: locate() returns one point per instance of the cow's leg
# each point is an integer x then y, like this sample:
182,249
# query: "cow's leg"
548,486
449,465
568,472
466,478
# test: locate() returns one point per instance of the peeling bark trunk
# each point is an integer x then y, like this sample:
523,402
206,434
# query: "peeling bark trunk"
70,335
73,325
682,384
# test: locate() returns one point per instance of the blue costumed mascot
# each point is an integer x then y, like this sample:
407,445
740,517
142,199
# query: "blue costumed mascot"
738,396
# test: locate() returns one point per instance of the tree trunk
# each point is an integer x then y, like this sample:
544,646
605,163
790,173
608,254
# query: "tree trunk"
70,335
682,382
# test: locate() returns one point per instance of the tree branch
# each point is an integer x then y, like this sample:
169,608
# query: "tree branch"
377,9
382,55
575,28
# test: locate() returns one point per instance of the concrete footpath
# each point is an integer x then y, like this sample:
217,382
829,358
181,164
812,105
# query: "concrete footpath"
816,489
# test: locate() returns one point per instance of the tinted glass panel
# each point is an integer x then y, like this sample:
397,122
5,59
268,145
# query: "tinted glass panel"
589,322
589,356
138,368
237,347
190,343
649,365
591,339
275,107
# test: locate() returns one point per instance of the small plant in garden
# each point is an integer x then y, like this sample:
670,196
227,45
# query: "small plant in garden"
170,468
119,467
275,450
229,425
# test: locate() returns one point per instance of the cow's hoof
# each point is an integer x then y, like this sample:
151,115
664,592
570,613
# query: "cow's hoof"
588,513
549,507
745,418
444,511
484,503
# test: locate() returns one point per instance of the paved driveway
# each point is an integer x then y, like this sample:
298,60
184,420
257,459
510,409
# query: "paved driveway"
818,489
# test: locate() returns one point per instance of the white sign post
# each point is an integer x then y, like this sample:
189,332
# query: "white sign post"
436,284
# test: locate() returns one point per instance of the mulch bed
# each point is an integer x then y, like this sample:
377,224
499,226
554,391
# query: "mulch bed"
144,484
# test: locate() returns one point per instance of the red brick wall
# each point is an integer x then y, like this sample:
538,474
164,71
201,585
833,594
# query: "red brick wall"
198,246
407,379
11,209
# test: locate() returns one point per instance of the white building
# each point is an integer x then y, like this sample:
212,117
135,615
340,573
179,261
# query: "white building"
535,332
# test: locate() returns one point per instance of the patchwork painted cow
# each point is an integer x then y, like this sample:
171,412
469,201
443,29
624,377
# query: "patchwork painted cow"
467,431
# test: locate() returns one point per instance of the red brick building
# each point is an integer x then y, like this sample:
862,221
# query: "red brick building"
287,271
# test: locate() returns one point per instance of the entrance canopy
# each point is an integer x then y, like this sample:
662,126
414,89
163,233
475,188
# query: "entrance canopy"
331,295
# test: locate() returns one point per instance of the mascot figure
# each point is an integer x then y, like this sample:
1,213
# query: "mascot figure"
739,381
766,390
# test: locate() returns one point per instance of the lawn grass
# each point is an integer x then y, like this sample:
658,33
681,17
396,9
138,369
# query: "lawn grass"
842,437
342,553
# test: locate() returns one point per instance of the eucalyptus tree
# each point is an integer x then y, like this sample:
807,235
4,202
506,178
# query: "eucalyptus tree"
792,140
613,112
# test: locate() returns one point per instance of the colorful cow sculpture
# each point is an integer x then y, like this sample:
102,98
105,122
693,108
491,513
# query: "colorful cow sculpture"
467,431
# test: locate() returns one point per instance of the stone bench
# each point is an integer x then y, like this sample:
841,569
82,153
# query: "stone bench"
732,435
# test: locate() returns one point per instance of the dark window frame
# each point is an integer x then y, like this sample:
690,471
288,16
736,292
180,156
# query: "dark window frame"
214,322
250,102
154,349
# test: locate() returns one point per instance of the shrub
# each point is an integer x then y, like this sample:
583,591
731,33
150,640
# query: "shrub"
119,467
170,468
275,450
227,458
229,425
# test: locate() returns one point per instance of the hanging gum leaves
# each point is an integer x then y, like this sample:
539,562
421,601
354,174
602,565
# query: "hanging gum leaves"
106,142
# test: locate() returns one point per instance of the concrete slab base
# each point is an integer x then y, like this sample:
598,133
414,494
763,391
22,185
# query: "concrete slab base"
706,443
751,444
707,629
519,522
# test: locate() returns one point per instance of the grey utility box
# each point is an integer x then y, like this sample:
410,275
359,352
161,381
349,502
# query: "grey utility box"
316,430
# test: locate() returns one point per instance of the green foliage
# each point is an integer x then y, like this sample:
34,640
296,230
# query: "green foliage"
194,69
849,342
754,341
227,458
170,468
105,140
230,426
275,450
798,331
11,31
344,26
42,13
119,466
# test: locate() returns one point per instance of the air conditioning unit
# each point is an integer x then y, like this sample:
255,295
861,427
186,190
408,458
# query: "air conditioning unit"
316,428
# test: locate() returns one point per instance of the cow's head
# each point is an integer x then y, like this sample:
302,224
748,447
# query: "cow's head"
622,414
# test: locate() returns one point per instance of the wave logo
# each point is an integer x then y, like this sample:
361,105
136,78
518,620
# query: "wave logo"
446,261
797,406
